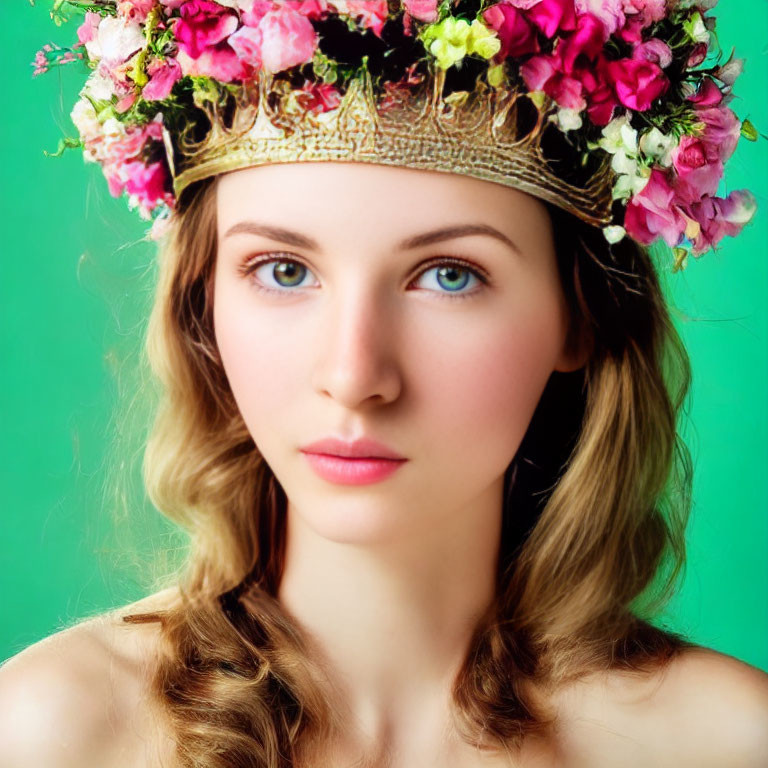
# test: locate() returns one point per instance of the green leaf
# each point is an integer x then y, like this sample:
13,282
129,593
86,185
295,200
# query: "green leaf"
64,144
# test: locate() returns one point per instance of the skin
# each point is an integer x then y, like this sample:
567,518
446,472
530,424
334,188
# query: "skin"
366,341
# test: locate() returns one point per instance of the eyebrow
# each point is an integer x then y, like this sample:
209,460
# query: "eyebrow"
298,240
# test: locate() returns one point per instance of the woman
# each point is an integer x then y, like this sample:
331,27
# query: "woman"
480,593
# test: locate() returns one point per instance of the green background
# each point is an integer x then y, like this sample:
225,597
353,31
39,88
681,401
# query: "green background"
75,289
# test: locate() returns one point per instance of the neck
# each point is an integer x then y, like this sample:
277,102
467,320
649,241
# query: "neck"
392,620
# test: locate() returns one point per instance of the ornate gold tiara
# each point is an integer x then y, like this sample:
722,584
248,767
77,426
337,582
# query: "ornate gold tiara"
486,134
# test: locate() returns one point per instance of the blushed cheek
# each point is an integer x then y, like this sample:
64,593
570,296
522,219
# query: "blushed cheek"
488,388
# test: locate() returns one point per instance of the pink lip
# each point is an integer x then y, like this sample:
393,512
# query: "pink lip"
352,463
346,471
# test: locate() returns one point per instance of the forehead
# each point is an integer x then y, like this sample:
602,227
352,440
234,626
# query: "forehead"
372,199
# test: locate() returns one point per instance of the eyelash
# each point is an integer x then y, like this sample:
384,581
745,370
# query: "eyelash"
251,265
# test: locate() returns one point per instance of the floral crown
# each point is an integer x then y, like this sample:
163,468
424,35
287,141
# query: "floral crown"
615,110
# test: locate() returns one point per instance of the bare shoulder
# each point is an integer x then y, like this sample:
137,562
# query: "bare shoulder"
705,709
80,696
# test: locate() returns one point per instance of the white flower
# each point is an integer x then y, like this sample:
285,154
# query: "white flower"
567,119
730,71
116,40
85,119
658,145
697,29
99,86
619,135
614,233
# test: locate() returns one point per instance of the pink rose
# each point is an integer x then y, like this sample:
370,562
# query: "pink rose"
722,129
318,97
423,10
164,74
517,36
638,83
283,39
699,169
601,98
610,13
651,213
720,217
697,55
372,14
708,95
203,24
654,50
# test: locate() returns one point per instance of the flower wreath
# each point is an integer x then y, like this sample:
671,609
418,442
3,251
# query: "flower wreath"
641,80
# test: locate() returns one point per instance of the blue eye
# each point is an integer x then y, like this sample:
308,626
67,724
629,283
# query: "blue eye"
451,275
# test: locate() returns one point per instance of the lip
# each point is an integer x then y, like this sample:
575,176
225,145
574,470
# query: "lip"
352,471
363,448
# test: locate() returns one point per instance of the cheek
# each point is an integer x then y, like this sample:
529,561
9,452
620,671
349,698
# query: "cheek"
483,388
261,361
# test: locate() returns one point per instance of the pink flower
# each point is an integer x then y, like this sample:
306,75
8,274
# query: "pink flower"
698,54
283,39
318,97
719,217
542,73
646,11
135,10
609,12
654,50
708,95
372,14
553,15
88,30
699,169
147,182
722,129
203,24
219,62
638,83
651,213
164,74
423,10
517,36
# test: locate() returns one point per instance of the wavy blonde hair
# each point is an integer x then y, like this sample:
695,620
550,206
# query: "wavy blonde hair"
596,503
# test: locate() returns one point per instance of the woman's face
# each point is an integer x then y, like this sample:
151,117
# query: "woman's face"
360,329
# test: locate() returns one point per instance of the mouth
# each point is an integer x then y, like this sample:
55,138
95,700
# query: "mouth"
352,470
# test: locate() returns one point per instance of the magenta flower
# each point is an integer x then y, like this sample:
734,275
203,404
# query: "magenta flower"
203,24
587,40
708,95
699,169
164,74
720,217
652,214
553,15
146,182
515,33
638,83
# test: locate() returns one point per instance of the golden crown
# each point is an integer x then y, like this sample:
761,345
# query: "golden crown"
489,133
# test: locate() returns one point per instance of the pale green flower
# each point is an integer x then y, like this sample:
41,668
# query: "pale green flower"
614,233
482,40
451,39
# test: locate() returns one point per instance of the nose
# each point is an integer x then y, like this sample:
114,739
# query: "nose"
356,351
